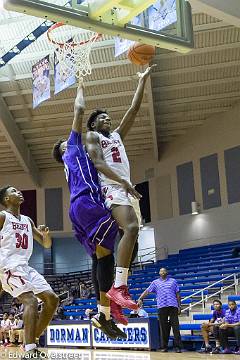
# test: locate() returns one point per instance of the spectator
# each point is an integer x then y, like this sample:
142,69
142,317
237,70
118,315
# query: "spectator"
230,327
65,287
84,292
88,314
59,314
16,331
5,327
169,307
213,327
139,313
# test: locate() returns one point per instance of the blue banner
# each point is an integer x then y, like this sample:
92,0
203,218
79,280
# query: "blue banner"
41,81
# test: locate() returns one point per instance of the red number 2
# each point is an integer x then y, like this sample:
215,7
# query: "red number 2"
116,155
22,241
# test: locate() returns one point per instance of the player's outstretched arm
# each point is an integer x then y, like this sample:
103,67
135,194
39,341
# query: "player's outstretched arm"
129,117
95,152
41,235
79,108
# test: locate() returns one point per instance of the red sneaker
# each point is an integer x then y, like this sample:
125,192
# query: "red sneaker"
121,297
116,312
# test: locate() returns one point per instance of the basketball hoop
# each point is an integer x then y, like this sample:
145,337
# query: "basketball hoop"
72,54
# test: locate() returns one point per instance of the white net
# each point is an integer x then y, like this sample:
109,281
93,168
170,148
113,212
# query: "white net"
72,49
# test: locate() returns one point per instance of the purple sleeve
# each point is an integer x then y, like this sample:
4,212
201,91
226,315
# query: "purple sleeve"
176,287
74,138
227,317
214,315
238,315
152,287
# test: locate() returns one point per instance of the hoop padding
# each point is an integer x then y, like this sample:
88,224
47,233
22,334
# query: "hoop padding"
73,56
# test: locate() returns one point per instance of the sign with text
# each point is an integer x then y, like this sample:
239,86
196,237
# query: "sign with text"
69,335
137,337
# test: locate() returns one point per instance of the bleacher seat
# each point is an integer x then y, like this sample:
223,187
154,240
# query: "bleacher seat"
194,269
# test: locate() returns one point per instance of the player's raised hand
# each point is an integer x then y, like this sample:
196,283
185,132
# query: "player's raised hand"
147,72
43,229
47,240
130,190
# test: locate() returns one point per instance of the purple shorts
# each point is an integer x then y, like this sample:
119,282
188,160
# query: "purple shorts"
93,224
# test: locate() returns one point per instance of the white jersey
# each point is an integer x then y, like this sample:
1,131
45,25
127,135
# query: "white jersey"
5,323
115,156
16,244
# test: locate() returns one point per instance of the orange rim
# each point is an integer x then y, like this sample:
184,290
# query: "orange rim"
61,44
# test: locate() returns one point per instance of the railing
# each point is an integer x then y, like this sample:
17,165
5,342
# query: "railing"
152,254
147,255
204,298
63,268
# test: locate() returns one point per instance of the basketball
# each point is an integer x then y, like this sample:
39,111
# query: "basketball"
141,54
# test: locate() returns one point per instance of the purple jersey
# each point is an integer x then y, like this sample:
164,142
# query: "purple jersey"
82,177
92,222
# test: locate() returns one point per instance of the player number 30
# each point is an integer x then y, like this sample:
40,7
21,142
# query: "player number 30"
21,241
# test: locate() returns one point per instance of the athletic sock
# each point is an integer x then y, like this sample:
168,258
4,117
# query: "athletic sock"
106,311
30,347
98,307
121,277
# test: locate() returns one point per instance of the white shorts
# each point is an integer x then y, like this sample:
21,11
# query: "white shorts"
23,279
116,195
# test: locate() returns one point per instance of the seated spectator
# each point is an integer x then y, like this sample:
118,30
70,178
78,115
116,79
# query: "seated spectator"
88,314
213,327
139,313
92,292
59,314
4,331
84,292
65,287
230,327
16,331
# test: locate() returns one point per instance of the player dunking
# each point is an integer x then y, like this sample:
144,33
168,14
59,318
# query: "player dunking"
93,224
108,154
18,279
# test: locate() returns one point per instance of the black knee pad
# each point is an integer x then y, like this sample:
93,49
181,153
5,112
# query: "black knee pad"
94,276
105,272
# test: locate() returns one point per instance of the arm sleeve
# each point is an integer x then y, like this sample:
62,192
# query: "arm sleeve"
151,288
74,138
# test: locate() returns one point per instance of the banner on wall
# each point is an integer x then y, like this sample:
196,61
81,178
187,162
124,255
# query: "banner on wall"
41,81
62,80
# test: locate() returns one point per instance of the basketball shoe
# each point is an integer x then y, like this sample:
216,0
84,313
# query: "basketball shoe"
122,297
116,312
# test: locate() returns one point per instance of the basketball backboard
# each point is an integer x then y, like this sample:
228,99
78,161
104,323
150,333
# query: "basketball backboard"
163,23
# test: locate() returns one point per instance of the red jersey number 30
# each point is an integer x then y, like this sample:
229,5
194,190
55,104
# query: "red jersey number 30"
21,241
116,155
